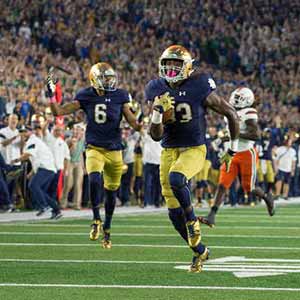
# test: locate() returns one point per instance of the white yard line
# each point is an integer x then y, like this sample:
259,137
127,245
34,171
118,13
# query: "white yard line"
145,246
115,286
143,226
149,235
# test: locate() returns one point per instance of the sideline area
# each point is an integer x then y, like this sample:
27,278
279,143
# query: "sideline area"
131,210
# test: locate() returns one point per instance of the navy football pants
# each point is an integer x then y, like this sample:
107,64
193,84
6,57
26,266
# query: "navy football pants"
152,189
39,186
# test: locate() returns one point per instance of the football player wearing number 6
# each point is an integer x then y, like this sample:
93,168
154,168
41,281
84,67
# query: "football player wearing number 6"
104,105
180,98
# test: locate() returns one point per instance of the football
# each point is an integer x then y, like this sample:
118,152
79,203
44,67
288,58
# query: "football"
168,116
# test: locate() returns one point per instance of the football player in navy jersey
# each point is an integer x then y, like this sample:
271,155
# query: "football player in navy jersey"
180,98
104,105
265,171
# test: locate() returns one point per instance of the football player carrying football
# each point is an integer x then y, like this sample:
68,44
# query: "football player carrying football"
180,98
244,162
104,105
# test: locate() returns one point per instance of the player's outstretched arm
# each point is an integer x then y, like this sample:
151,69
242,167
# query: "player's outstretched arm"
219,105
66,109
130,118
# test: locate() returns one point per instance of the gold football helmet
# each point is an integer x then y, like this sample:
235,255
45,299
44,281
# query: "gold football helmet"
175,64
103,77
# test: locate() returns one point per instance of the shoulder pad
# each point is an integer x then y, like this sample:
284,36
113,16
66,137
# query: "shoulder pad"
248,114
83,93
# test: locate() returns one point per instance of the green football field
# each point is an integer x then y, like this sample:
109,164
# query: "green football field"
253,256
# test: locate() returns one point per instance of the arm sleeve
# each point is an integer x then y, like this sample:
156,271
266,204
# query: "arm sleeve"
126,97
31,148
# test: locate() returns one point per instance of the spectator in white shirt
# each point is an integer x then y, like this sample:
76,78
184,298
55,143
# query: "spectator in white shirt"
10,147
285,162
151,160
43,165
10,140
61,153
129,140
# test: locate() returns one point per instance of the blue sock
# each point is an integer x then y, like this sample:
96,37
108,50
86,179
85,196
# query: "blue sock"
95,179
110,204
200,248
176,215
182,193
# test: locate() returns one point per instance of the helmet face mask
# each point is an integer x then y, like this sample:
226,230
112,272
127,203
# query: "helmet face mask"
103,77
175,64
172,70
242,98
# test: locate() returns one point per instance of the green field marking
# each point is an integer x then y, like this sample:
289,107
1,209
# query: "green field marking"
145,251
141,274
21,293
138,253
168,287
144,235
150,240
157,246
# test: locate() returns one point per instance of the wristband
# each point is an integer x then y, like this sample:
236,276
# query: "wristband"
234,145
156,117
52,99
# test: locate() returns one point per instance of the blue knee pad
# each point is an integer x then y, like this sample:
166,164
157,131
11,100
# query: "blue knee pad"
181,190
177,180
95,178
201,184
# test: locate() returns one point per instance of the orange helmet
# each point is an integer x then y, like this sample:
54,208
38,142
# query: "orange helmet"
103,77
174,73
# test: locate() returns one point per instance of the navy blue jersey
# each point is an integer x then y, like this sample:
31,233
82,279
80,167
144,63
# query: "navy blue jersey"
104,114
266,145
189,127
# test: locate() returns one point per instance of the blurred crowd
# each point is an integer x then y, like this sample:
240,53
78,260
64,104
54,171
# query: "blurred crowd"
254,43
